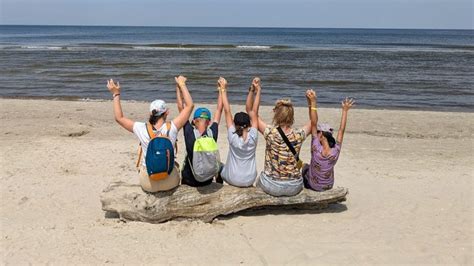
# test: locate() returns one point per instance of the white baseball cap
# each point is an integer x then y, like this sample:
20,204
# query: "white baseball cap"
159,106
325,127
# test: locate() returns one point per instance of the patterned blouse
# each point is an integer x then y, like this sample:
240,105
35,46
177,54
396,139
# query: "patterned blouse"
280,163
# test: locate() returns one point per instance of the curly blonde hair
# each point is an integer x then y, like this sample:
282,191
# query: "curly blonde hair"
283,113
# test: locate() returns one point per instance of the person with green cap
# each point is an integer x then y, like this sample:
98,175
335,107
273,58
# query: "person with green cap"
202,162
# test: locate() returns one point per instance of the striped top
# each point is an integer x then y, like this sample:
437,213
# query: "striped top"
321,172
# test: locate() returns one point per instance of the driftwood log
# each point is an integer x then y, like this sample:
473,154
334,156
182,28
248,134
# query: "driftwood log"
130,202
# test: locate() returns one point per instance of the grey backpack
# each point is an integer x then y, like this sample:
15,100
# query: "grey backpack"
206,158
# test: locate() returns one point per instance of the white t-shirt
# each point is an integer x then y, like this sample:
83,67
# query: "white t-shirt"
241,167
139,129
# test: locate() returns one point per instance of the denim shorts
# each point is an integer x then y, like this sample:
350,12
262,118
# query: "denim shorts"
279,188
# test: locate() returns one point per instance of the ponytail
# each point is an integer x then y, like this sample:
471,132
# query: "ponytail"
241,122
239,130
154,117
330,138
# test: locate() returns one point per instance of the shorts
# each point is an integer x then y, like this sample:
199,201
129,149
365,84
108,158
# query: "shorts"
279,188
150,185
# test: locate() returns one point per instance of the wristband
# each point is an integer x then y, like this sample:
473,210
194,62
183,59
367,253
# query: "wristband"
115,95
314,108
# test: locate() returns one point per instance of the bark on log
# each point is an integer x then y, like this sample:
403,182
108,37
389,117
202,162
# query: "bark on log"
130,202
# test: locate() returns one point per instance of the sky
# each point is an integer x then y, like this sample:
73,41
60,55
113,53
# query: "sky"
431,14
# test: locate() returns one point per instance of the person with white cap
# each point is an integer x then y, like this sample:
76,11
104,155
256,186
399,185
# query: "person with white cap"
159,113
325,150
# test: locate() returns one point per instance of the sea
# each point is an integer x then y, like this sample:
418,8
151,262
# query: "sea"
379,68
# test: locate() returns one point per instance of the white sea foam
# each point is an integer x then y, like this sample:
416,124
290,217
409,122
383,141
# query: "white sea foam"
146,48
32,47
178,48
254,47
39,47
243,47
158,48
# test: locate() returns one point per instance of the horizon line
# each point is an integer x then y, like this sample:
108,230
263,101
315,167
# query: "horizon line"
241,27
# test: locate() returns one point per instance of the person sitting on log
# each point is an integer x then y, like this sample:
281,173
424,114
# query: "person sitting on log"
281,175
157,168
202,161
325,150
240,169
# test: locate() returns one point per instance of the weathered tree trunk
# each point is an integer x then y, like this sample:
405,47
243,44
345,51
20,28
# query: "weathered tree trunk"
203,203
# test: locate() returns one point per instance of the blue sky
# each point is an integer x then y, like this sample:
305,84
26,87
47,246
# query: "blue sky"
457,14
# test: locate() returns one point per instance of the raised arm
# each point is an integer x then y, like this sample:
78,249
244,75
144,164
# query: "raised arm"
220,106
222,86
249,101
313,112
188,107
179,99
256,103
118,114
346,105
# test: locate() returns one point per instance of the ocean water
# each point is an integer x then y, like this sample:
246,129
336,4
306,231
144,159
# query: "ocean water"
408,69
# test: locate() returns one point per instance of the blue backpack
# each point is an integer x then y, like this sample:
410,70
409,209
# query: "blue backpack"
159,158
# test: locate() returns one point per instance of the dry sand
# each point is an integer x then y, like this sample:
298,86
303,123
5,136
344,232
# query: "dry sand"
409,174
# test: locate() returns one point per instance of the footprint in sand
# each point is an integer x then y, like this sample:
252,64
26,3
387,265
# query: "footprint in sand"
77,134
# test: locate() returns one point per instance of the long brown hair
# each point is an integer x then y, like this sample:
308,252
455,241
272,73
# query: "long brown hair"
154,117
283,113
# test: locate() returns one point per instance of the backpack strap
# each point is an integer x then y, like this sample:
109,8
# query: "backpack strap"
140,152
209,133
168,128
151,134
190,166
149,129
288,143
198,135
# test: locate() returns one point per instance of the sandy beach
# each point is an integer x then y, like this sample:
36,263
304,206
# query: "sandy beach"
409,175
